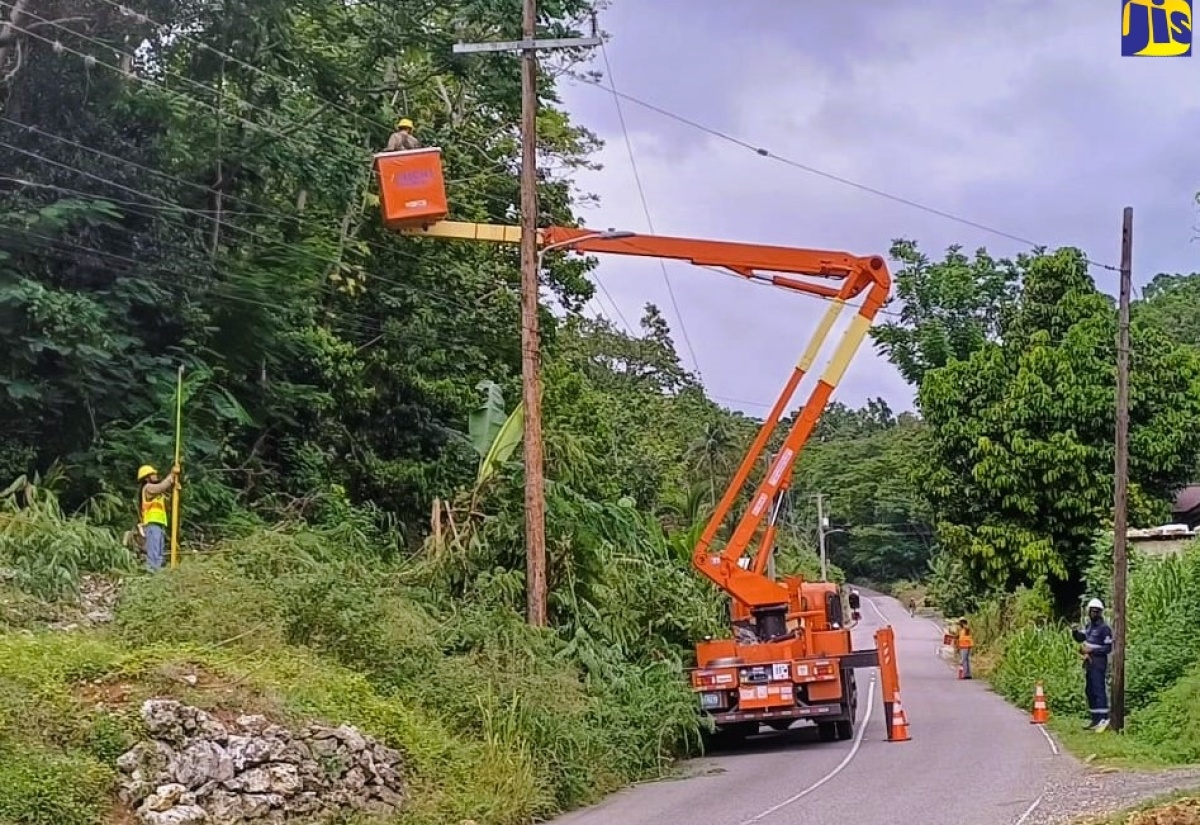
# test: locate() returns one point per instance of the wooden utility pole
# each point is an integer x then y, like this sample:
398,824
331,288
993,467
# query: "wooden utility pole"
1121,483
535,486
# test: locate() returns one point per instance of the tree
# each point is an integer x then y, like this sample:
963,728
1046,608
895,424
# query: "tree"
194,185
863,467
1171,303
949,309
1020,459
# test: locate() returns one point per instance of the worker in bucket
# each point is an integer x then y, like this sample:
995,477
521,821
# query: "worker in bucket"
403,138
152,506
1095,644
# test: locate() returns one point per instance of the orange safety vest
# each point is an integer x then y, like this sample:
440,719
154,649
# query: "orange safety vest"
154,509
964,639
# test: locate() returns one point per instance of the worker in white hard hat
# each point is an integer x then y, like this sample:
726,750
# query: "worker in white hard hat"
1095,645
403,138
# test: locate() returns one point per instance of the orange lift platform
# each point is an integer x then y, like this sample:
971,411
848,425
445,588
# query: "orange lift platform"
791,656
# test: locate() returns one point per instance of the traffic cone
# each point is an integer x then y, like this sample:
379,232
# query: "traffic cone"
899,731
1041,712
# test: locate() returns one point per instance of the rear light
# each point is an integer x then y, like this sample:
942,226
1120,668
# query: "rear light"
710,679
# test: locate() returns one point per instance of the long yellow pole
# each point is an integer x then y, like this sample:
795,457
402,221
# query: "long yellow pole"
178,450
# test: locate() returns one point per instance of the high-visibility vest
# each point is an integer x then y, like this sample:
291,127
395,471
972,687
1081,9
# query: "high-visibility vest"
154,509
964,640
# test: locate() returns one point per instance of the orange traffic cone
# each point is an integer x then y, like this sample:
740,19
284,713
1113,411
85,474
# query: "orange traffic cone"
899,731
1041,712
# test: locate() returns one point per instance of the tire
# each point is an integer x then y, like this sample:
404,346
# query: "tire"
828,731
844,728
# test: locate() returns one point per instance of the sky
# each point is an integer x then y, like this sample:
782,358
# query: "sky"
1020,115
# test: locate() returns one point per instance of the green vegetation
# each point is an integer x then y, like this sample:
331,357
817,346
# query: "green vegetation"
353,507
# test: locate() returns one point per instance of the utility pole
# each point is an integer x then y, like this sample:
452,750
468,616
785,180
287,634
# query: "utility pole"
1121,476
535,487
821,536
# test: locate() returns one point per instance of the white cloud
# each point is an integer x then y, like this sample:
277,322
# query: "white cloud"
1018,115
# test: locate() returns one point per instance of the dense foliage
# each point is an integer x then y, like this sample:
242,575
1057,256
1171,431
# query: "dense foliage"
1014,365
188,183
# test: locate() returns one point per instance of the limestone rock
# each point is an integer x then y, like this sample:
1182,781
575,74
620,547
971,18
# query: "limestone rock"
195,769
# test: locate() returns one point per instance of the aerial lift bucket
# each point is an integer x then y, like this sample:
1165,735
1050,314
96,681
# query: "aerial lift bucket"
412,188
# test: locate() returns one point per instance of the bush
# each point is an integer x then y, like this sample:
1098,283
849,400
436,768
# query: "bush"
1048,654
49,551
40,787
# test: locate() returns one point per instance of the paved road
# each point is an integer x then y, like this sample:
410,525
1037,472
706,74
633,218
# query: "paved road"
972,760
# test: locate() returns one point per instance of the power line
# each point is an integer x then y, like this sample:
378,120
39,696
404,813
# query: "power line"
766,153
637,177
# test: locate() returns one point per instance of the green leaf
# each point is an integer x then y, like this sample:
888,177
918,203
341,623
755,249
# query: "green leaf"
487,418
503,445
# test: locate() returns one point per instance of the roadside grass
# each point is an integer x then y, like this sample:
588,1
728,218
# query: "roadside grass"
1116,750
500,723
69,707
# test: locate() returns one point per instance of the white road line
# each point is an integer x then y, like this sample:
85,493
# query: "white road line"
875,607
1050,739
1029,811
862,729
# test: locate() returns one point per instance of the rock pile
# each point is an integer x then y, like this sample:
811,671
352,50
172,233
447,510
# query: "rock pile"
196,769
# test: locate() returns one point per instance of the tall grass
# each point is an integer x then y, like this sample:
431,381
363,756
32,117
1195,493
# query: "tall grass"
50,551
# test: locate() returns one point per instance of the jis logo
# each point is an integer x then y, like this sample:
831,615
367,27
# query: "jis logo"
1156,28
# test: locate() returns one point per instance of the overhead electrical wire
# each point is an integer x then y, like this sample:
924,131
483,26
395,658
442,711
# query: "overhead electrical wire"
637,177
766,153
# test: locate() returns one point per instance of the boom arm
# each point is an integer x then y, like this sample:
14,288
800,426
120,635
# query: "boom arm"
777,266
838,276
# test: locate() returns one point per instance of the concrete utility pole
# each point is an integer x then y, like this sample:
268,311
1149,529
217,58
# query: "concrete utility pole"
535,488
1121,476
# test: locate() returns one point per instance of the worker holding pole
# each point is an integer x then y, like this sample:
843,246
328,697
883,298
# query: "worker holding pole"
152,493
152,506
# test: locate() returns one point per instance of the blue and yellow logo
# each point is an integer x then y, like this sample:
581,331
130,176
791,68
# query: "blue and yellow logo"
1156,28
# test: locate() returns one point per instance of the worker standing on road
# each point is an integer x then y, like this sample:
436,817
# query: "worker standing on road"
855,602
152,505
1095,643
403,138
965,645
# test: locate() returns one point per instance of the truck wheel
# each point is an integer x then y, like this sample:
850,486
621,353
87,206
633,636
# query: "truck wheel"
845,729
828,731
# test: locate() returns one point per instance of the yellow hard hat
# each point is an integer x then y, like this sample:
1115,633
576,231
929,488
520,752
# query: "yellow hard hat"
404,123
146,470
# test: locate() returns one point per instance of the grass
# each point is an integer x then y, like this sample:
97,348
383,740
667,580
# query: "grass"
500,723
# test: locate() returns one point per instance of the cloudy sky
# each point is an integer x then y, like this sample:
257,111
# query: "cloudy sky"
1017,114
